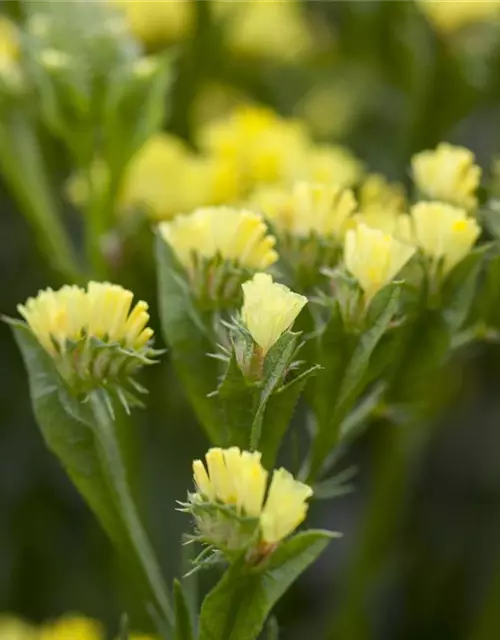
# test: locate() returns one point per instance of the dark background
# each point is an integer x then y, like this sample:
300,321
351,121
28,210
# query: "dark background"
420,556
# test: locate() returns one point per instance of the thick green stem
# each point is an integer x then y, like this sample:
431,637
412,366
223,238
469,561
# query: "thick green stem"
114,470
22,165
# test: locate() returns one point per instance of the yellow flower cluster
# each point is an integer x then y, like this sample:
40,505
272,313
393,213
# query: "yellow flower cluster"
374,258
268,149
447,174
102,311
237,479
269,309
233,234
69,627
449,17
157,22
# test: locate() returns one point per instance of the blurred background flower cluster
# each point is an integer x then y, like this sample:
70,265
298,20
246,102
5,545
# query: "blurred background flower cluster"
255,95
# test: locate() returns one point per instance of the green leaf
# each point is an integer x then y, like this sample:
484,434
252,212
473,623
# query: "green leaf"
185,333
82,437
238,606
237,400
183,628
460,288
278,414
66,429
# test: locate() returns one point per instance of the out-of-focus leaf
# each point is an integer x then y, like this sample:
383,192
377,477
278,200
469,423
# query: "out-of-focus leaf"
183,628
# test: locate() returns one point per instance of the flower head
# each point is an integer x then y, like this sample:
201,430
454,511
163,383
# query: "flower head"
374,258
236,235
269,309
448,174
444,233
95,335
72,627
230,505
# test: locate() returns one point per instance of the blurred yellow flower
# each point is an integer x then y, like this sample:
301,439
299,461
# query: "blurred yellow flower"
257,28
237,479
237,235
269,309
448,174
328,164
71,314
263,146
157,22
9,44
72,628
444,233
374,258
449,17
12,628
377,193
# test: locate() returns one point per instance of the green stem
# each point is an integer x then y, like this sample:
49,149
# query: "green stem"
95,227
114,469
22,165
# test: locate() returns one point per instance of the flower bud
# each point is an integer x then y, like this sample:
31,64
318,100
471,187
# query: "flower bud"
269,309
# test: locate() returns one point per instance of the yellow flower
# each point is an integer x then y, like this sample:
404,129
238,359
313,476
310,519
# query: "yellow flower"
374,258
156,22
448,174
321,209
285,507
12,628
452,16
269,309
376,193
443,232
234,234
328,164
237,479
72,627
257,141
71,313
266,29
